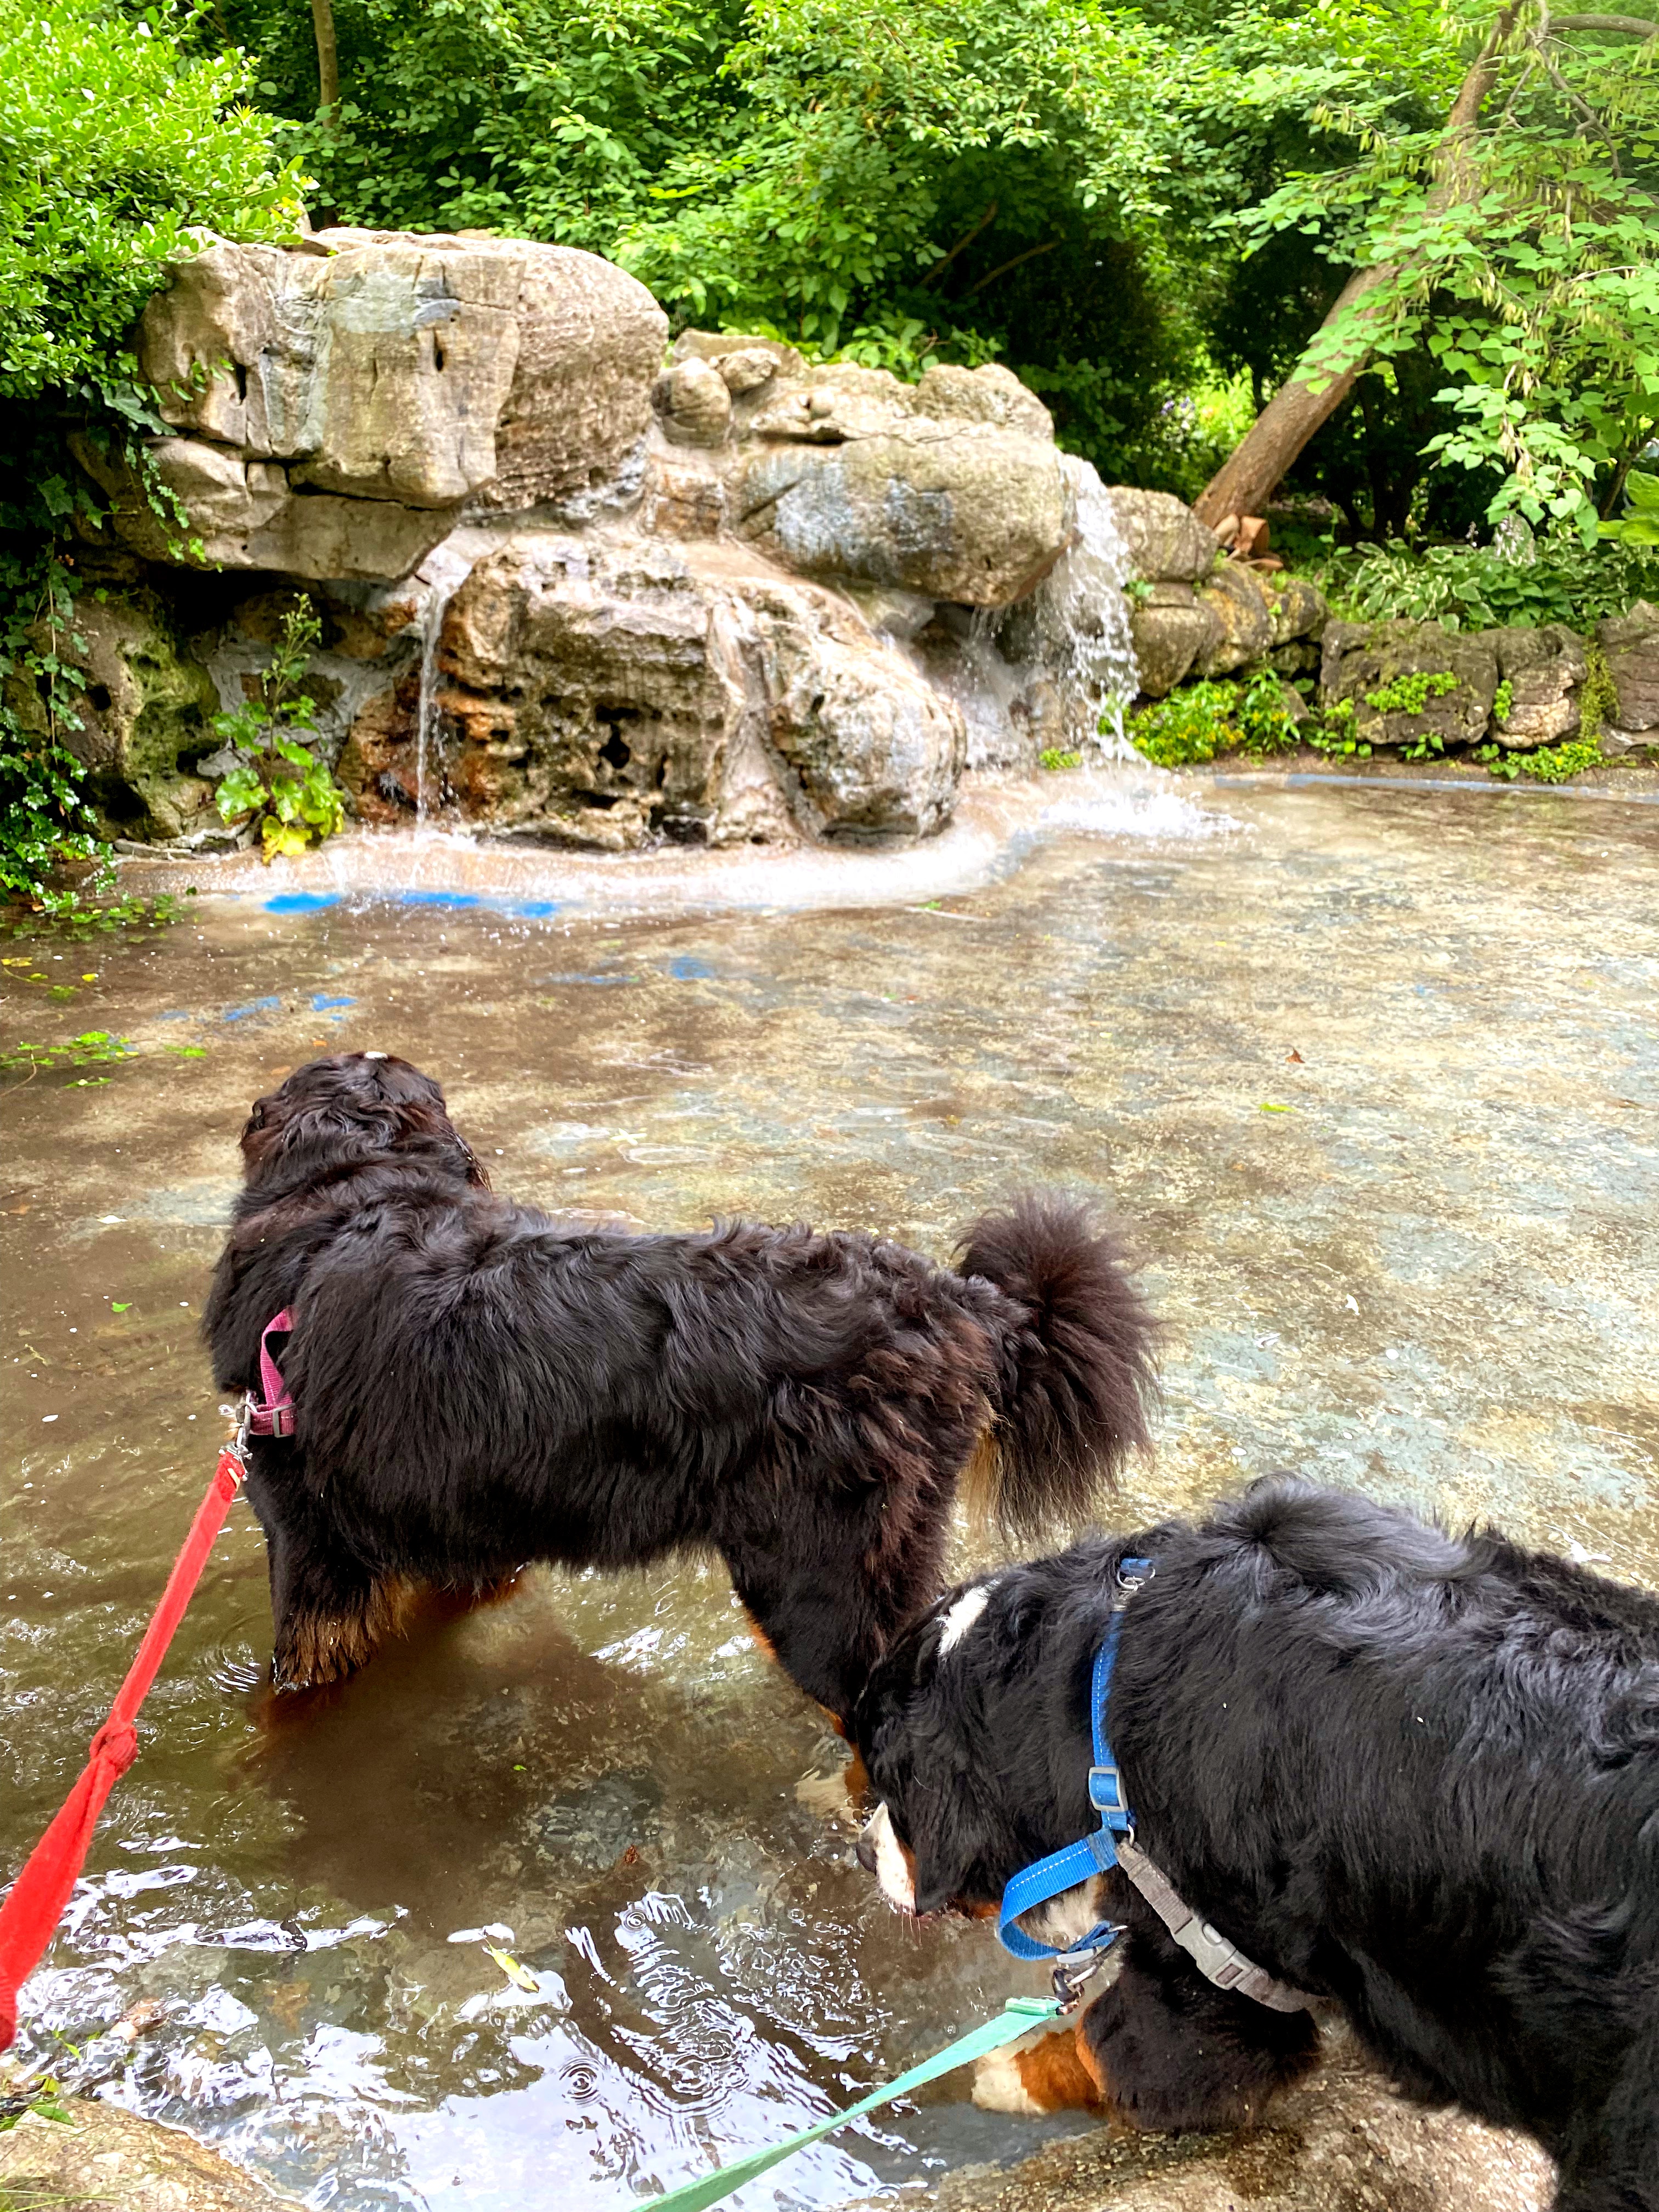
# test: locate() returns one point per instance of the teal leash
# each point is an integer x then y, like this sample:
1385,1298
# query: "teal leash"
1018,2017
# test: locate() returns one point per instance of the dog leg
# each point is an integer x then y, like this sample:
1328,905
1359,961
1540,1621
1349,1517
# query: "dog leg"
1040,2073
1168,2050
330,1611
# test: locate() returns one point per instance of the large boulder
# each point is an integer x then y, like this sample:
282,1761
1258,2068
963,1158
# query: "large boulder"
1238,600
338,404
1167,542
1631,643
1400,662
876,748
1172,630
615,692
958,510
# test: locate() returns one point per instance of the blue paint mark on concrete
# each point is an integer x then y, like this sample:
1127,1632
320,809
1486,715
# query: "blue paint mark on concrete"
270,1006
176,1014
527,909
436,898
321,1002
686,968
301,902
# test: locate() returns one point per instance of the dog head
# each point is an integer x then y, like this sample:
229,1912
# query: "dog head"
350,1108
938,1728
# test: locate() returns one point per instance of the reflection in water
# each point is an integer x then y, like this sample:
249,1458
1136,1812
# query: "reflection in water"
1407,1281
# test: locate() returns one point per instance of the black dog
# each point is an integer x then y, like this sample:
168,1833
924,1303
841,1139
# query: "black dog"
478,1386
1416,1777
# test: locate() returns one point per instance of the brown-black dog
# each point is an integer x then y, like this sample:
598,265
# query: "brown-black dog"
478,1386
1417,1777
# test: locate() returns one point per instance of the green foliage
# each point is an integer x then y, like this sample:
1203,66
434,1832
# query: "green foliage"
1527,259
1641,526
44,817
1503,703
1054,759
1548,764
279,782
1480,587
117,141
1410,694
91,1048
1199,721
68,915
1335,735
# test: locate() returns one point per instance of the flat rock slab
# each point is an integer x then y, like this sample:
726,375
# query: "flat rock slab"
110,2158
1345,2142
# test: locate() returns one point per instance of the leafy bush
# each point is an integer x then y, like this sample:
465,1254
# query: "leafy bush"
1640,526
117,141
1195,723
278,781
1480,586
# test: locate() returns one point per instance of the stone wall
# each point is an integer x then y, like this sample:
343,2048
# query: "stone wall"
1198,615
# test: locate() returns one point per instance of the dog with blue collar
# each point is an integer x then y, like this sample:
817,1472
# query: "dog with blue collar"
1309,1751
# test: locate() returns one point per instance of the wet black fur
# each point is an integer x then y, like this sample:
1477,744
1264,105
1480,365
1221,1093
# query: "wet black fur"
1416,1776
479,1385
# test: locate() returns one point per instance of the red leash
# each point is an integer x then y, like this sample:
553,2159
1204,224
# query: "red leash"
37,1899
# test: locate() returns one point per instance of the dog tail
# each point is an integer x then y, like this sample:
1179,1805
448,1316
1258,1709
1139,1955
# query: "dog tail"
1077,1374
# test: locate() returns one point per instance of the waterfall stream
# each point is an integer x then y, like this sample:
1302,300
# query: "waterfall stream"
443,574
1080,616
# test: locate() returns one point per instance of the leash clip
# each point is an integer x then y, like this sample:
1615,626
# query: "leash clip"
1073,1973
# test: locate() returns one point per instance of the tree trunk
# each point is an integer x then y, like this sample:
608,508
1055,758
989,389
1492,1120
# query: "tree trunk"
328,65
1309,396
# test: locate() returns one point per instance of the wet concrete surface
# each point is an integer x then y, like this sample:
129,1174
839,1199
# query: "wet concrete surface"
1371,1075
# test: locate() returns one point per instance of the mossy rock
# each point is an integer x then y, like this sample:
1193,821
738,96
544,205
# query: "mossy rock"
1364,661
146,716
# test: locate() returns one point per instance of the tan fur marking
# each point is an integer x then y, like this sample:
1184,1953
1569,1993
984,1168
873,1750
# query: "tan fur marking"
322,1648
1054,2076
980,1478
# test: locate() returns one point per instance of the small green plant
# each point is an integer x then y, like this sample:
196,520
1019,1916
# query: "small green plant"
279,782
1503,705
1639,525
91,1048
1555,764
1335,735
41,2094
1054,759
1505,766
1410,694
68,915
1195,723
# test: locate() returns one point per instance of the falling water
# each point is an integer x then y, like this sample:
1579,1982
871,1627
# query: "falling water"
443,574
1081,619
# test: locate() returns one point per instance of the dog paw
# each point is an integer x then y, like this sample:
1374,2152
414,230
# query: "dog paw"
1041,2073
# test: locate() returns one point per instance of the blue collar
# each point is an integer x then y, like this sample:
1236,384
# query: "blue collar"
1077,1863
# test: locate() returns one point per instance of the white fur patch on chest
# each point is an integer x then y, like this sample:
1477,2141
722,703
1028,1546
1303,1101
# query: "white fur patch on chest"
962,1615
892,1868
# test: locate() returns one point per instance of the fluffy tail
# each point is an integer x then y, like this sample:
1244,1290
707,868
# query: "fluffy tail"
1078,1376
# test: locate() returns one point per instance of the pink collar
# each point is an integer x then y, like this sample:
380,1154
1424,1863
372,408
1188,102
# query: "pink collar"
273,1415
